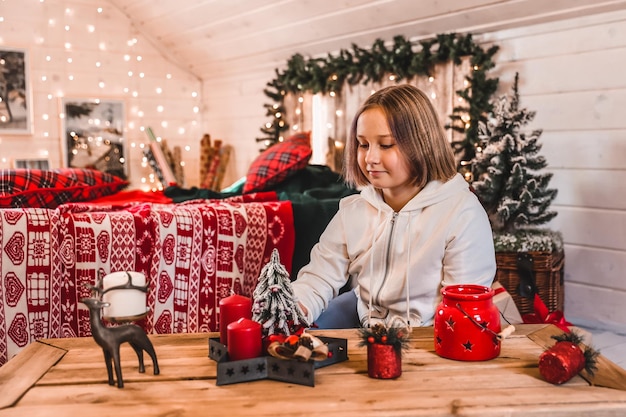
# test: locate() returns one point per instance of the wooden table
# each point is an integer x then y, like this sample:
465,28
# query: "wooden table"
67,377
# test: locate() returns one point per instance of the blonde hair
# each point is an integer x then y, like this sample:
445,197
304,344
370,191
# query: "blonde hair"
415,126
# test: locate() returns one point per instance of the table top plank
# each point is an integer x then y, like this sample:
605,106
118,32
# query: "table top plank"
429,386
22,371
403,396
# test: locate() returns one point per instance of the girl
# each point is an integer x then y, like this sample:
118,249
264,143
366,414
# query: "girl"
414,228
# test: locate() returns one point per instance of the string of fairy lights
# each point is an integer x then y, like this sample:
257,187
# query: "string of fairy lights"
401,59
332,108
76,58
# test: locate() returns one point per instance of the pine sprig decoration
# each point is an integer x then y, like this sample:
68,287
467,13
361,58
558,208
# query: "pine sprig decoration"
403,59
396,336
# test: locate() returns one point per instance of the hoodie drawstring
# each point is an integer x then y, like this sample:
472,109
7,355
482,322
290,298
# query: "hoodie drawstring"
369,313
406,277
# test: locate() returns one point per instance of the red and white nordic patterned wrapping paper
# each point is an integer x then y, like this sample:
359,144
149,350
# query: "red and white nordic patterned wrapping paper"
193,254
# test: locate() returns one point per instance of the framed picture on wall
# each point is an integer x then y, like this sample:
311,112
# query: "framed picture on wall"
93,135
15,94
32,163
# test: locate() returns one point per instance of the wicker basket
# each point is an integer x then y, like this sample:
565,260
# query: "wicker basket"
547,271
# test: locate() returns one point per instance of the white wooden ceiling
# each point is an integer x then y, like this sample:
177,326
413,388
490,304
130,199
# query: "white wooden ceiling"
212,37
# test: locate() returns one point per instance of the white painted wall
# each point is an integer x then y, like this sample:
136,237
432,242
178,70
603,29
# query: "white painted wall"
66,38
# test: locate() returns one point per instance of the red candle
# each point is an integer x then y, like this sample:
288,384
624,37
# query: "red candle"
244,339
232,309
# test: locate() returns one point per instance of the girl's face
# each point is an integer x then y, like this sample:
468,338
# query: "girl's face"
380,158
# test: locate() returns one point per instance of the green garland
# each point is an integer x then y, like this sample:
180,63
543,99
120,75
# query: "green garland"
361,66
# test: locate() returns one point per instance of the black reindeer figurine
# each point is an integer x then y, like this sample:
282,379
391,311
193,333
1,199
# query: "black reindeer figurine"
110,339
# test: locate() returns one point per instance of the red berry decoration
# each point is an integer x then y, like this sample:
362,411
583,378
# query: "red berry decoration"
371,339
383,339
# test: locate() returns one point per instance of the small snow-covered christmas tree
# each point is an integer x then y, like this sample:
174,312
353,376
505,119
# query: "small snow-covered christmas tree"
508,178
274,304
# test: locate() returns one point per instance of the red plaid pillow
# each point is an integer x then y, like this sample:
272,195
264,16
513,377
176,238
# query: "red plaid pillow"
45,189
35,188
98,184
278,162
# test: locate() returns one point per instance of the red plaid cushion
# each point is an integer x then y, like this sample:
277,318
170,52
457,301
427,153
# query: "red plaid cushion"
45,189
99,184
278,162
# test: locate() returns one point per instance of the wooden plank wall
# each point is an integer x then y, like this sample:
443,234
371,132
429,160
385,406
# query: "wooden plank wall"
570,71
571,74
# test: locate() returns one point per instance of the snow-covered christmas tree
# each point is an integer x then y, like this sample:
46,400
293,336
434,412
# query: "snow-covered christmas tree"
508,177
274,304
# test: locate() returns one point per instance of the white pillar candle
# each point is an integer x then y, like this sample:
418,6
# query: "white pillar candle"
124,302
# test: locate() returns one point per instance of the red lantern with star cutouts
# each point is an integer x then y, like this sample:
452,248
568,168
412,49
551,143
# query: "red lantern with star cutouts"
467,323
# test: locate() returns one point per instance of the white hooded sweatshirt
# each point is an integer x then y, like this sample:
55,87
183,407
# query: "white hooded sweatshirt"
399,261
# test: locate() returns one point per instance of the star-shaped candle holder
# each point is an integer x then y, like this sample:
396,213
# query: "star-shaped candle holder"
270,367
